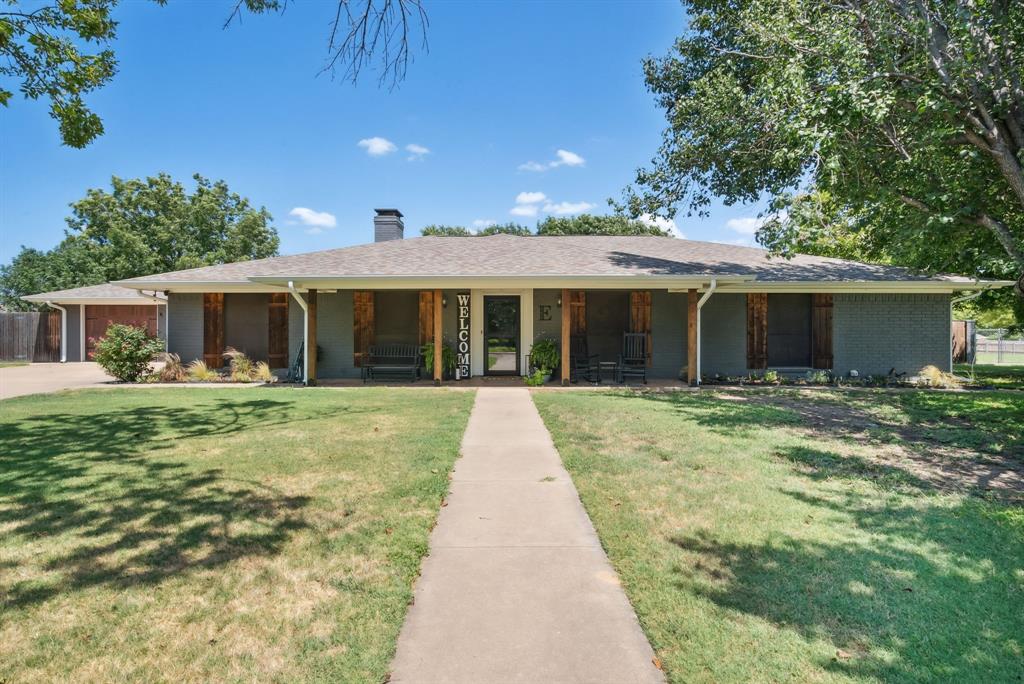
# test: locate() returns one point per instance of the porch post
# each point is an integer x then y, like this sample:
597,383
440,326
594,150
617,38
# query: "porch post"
566,361
311,337
691,337
437,337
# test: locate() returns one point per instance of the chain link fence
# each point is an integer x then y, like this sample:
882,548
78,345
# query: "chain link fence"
995,345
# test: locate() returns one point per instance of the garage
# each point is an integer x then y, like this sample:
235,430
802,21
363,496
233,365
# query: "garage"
99,317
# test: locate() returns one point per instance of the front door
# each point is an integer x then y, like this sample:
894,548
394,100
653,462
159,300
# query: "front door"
501,335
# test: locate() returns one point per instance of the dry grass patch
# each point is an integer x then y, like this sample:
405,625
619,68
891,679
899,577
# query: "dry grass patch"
212,535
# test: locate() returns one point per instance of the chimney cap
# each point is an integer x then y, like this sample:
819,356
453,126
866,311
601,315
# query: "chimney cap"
388,212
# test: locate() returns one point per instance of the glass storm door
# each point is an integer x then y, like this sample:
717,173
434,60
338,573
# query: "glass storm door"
501,335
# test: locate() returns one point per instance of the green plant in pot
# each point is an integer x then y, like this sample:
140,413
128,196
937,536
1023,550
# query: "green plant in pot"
544,356
447,359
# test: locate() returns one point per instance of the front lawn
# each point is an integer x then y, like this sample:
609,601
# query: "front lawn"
216,535
12,364
810,536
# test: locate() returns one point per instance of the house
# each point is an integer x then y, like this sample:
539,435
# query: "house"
87,312
706,309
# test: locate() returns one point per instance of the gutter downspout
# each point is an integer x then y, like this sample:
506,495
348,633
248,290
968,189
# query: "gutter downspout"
305,330
63,330
958,300
700,305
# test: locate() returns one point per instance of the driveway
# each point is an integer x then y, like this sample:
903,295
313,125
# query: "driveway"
39,378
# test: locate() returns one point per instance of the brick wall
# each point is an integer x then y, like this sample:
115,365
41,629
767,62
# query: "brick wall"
875,332
185,325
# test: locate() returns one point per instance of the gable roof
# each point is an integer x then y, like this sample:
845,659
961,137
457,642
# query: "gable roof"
107,293
550,257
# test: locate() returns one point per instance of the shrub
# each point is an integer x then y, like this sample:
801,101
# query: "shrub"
536,379
173,370
126,352
198,371
819,377
544,355
262,373
771,377
939,378
241,366
447,358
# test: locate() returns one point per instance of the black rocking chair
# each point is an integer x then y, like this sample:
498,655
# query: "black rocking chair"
633,360
584,364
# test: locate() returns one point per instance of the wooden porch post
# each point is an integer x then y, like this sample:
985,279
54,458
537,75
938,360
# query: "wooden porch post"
438,343
691,337
311,337
566,325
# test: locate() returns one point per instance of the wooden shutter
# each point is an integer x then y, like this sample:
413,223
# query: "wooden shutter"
362,324
757,330
277,330
821,331
213,329
577,312
426,319
640,316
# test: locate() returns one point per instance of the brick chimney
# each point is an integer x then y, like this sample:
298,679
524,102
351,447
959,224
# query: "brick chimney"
387,225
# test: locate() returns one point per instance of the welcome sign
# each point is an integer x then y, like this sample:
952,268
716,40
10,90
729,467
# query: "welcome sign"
462,370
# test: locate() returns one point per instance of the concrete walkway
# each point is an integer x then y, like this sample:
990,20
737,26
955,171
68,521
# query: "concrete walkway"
516,587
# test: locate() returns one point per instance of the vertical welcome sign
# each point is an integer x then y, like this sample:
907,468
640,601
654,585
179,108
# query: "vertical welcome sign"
462,370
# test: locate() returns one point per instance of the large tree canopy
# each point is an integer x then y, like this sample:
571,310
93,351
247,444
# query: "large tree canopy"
886,128
140,227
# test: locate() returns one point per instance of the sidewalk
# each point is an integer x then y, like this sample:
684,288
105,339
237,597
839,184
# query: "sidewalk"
516,587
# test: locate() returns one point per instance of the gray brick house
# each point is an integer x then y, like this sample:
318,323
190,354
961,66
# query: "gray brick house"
705,309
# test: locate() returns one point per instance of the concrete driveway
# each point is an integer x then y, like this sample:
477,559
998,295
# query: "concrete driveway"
39,378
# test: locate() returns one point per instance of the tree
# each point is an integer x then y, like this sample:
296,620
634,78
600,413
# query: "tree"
907,116
445,231
46,50
589,224
140,227
506,229
50,50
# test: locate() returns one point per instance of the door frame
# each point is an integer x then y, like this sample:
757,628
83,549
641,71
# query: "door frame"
476,322
516,333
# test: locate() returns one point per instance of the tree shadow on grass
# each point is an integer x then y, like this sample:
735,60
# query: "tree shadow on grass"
91,491
934,447
934,593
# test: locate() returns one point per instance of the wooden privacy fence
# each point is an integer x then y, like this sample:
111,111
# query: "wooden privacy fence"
29,336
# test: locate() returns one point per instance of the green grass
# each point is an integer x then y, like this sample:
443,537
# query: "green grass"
216,535
12,364
780,536
991,375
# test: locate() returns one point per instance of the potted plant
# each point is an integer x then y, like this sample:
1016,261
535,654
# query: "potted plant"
447,359
544,357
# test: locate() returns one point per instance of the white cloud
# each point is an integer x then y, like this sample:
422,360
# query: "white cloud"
565,158
530,197
416,152
524,210
666,224
533,166
747,225
376,146
567,208
484,223
316,220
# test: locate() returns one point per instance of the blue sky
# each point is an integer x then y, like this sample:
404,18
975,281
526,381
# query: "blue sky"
516,111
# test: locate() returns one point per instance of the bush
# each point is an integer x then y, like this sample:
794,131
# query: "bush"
536,379
173,370
240,365
262,373
198,371
126,352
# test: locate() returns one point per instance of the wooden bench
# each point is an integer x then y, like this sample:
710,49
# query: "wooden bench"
391,361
